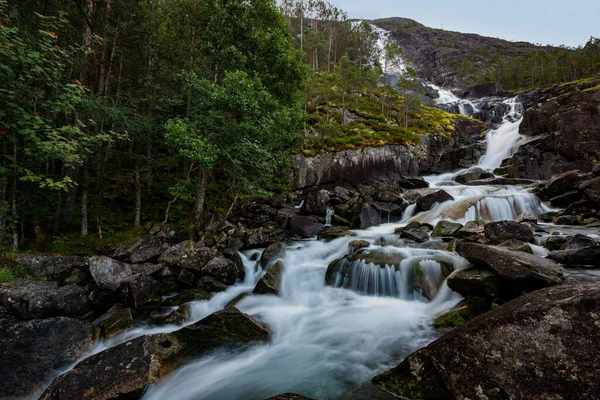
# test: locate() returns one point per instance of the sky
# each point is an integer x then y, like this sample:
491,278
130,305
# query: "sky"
569,22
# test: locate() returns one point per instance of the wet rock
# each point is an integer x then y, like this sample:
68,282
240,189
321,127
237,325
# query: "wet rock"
425,203
527,218
472,174
564,183
210,284
144,249
264,237
270,283
356,245
116,320
109,273
446,229
305,227
428,283
567,220
186,278
579,241
414,378
472,231
516,245
223,270
463,313
43,299
498,232
554,242
578,257
334,232
545,333
591,189
582,209
523,272
188,255
127,368
316,203
289,396
416,235
187,296
565,200
388,209
33,351
368,217
271,254
49,264
475,283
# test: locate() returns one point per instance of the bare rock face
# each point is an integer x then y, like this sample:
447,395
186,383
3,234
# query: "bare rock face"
108,273
32,351
188,255
126,369
49,264
42,299
551,335
500,231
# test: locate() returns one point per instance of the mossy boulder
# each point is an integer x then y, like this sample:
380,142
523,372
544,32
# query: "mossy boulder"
445,229
475,283
462,314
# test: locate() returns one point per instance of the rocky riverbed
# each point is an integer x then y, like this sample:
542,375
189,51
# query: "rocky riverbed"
366,264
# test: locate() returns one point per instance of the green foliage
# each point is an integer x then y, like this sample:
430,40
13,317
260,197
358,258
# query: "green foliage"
6,275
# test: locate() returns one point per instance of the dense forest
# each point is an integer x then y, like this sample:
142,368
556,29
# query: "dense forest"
114,114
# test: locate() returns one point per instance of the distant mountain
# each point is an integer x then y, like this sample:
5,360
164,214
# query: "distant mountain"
452,59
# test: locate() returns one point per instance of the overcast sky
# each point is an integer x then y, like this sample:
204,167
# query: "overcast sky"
569,22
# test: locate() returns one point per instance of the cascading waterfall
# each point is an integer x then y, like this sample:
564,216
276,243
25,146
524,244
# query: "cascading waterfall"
379,308
328,214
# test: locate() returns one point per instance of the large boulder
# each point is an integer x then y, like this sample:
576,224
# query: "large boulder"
126,369
109,273
426,202
270,283
274,252
223,270
114,321
47,265
475,283
521,271
472,174
305,227
591,189
144,249
43,299
316,203
33,351
498,232
368,217
188,254
551,335
563,183
578,257
446,229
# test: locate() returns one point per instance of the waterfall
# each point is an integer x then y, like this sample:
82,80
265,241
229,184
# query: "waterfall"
328,214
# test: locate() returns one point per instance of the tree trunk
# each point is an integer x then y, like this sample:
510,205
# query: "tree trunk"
13,205
105,59
84,201
138,199
87,38
200,197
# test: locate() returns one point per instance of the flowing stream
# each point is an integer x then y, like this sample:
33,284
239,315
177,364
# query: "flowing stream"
327,340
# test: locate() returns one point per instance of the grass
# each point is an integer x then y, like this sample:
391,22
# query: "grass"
368,126
597,87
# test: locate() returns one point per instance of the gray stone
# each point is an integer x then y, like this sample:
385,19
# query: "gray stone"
49,264
109,273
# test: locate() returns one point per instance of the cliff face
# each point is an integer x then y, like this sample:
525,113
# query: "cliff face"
449,58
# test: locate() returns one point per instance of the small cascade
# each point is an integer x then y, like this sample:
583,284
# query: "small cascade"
328,214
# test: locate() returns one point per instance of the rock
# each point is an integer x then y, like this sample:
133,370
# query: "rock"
144,249
428,282
148,269
498,232
356,245
475,283
472,174
115,320
305,227
524,272
43,299
126,369
567,220
188,255
186,278
462,314
368,217
334,232
527,217
472,231
210,284
545,333
32,352
414,378
289,396
565,200
274,252
417,235
516,245
563,183
49,264
109,273
425,203
578,257
264,237
141,290
223,270
446,229
270,283
591,189
554,242
316,203
389,209
582,209
187,296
